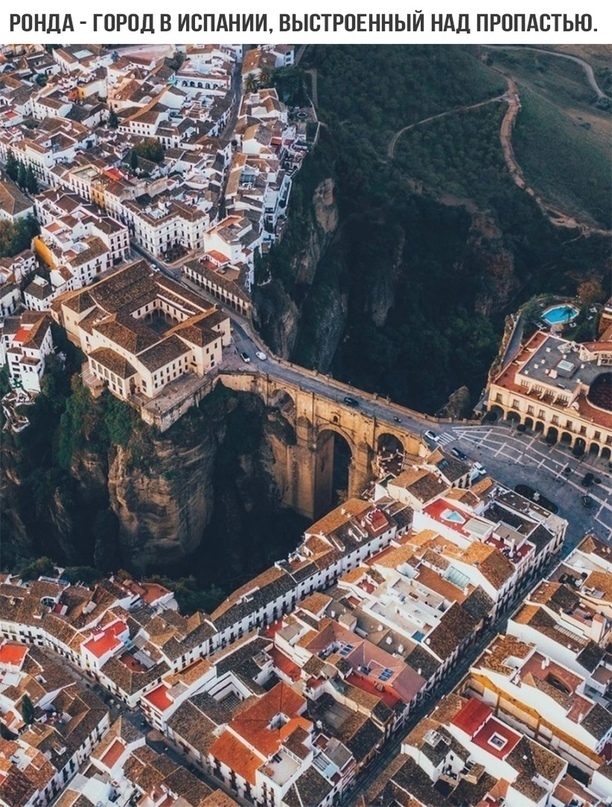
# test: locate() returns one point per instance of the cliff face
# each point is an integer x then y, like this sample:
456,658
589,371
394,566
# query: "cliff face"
163,509
147,504
279,302
490,259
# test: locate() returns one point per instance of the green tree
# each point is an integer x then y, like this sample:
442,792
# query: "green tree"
5,732
12,166
150,149
37,568
31,181
22,176
27,710
176,60
134,160
251,84
113,120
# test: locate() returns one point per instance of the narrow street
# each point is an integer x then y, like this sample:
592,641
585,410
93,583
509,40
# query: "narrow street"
364,783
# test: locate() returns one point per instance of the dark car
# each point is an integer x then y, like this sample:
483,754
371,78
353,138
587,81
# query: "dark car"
397,420
350,401
535,496
457,452
587,480
567,470
587,501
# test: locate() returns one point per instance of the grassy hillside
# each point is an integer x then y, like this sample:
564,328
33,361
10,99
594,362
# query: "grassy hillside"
434,246
561,138
371,92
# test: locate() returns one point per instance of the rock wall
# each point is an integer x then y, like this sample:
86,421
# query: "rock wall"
145,505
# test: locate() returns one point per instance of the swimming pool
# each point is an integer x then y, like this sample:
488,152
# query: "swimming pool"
560,314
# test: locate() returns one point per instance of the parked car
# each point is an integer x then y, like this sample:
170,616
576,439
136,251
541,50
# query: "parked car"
587,501
261,356
588,479
397,420
480,468
567,470
350,401
457,452
245,357
432,436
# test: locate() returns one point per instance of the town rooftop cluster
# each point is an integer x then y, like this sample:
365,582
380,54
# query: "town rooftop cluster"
294,684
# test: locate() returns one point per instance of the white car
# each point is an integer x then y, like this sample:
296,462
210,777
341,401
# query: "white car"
432,436
478,467
261,356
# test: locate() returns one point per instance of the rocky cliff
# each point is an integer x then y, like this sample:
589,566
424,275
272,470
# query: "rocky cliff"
147,502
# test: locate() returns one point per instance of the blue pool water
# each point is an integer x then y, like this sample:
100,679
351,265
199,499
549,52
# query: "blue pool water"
560,313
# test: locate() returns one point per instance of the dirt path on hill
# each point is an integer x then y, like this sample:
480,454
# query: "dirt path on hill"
554,215
585,65
400,132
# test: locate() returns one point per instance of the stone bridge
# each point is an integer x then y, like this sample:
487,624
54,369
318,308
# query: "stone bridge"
319,421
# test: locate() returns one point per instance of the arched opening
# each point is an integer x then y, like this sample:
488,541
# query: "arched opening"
513,417
552,436
566,438
539,426
529,423
332,471
594,450
389,455
606,453
280,399
579,447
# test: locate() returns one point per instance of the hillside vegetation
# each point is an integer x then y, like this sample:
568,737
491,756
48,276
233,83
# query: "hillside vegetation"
432,248
562,134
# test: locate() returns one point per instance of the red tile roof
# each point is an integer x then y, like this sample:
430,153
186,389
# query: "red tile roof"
159,698
12,654
496,738
100,643
113,753
254,723
472,716
231,752
284,664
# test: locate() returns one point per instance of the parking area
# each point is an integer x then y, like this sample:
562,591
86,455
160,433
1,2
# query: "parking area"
516,458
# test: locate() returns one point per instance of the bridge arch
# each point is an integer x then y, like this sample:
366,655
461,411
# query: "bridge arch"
281,399
333,467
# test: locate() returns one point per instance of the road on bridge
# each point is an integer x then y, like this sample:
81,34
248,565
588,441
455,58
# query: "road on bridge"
510,456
